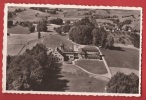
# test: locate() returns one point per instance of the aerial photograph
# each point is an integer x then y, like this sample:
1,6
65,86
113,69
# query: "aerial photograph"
79,50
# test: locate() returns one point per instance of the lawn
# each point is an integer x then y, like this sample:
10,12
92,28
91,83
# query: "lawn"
18,30
13,49
55,40
79,81
122,58
93,66
84,83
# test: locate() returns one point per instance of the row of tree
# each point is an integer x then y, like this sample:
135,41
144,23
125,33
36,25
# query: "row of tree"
44,9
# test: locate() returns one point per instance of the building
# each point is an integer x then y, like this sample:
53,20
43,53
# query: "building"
69,54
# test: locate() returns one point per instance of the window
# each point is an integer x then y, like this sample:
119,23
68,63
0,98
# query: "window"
71,56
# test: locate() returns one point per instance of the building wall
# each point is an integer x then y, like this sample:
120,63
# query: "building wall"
56,56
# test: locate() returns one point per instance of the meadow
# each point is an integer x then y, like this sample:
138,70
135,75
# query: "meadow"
93,66
122,57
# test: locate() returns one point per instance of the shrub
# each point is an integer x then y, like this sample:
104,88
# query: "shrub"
57,21
121,83
32,28
42,27
10,23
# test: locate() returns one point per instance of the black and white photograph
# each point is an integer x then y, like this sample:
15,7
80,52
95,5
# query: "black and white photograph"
72,50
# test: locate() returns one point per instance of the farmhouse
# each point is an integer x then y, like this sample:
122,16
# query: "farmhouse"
69,54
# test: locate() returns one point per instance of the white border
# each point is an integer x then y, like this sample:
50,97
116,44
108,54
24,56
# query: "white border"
65,93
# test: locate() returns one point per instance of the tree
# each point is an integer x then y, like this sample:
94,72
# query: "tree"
104,35
66,28
109,42
84,21
31,28
121,83
96,36
81,34
58,30
57,21
10,23
42,27
135,40
27,70
67,22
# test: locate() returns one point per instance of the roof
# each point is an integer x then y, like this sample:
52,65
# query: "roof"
68,50
59,51
81,52
95,56
90,49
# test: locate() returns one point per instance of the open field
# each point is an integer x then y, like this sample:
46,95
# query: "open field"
49,39
13,49
54,41
93,66
29,15
104,21
122,58
18,30
84,83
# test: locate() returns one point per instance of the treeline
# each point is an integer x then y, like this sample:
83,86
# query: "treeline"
33,71
57,21
28,24
48,10
125,22
84,32
97,16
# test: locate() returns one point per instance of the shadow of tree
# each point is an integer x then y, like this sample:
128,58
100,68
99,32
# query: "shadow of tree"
53,81
116,48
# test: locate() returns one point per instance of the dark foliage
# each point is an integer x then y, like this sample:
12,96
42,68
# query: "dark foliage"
84,21
42,27
85,32
135,40
58,30
57,21
26,24
65,28
32,28
121,83
34,71
81,34
125,22
10,23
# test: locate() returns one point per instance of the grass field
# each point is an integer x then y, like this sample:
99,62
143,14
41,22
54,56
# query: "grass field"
80,81
18,30
13,49
96,67
55,40
49,39
122,58
84,83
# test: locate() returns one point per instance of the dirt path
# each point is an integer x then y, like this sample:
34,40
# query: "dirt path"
106,65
